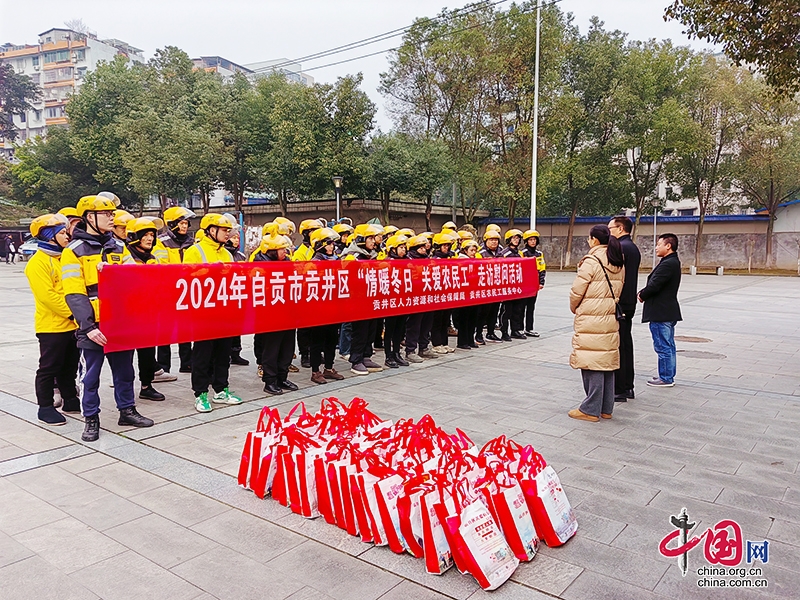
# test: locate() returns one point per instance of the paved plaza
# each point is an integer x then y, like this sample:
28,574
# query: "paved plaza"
156,513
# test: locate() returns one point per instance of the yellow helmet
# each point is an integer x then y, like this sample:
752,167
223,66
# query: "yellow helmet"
176,214
275,242
322,236
530,233
121,217
417,240
366,230
70,212
275,228
136,228
389,230
465,235
94,204
288,222
398,239
469,244
493,227
48,220
511,233
449,225
443,237
111,196
309,225
215,220
491,234
343,229
407,231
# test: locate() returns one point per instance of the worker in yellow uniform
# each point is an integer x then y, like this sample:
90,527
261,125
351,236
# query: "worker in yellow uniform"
304,253
442,245
512,312
418,324
396,324
211,359
53,322
531,250
487,314
91,249
466,318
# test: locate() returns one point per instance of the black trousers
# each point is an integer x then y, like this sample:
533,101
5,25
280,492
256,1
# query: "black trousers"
323,345
441,323
490,317
211,362
378,341
393,335
363,335
512,313
530,306
164,356
418,331
277,350
236,345
623,377
147,365
58,364
304,341
467,320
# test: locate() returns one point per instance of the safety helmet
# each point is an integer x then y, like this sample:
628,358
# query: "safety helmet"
94,204
234,220
288,222
111,196
493,227
443,237
449,225
275,242
465,235
389,230
309,225
428,235
48,220
322,236
343,229
530,233
275,228
398,239
215,220
511,233
491,234
366,230
121,217
70,212
469,244
407,231
175,214
416,241
137,228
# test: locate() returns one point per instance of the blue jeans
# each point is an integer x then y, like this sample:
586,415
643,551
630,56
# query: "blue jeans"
664,345
345,338
122,374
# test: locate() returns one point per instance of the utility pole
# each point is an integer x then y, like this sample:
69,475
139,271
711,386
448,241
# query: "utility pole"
535,115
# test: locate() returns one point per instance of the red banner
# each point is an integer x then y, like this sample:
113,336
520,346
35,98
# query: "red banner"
155,305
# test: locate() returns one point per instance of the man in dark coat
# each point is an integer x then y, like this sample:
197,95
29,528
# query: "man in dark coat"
621,227
661,309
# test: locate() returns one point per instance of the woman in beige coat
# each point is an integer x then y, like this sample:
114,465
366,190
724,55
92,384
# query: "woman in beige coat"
595,345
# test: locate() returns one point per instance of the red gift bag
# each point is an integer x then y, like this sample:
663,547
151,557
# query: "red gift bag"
269,425
552,513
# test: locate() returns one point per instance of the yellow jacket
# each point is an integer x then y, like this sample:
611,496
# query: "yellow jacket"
44,276
303,253
206,251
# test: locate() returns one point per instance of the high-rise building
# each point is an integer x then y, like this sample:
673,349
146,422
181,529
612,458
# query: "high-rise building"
57,64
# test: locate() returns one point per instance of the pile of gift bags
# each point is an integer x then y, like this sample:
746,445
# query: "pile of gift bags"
410,486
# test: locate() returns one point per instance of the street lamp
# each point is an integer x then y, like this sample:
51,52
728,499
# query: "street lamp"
337,188
655,233
535,133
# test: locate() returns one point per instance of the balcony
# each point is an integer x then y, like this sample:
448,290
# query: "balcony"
55,121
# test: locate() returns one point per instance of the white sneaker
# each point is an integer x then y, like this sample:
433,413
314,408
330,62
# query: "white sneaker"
345,356
448,349
439,350
161,378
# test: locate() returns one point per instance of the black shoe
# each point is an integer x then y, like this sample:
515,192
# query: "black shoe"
464,347
531,333
272,388
236,359
491,337
401,362
50,416
506,338
288,385
620,399
71,405
479,340
305,362
629,395
150,393
130,416
187,369
91,430
391,363
474,346
518,336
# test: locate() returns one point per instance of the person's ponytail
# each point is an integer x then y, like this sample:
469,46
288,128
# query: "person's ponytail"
614,252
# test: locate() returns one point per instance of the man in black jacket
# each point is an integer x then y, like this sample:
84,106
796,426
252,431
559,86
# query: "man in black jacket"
661,308
621,228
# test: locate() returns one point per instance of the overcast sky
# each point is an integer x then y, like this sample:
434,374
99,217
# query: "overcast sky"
245,31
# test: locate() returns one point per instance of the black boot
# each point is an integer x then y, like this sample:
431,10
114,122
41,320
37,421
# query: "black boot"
305,361
518,336
130,416
288,385
91,430
236,359
390,361
150,393
398,358
71,405
273,388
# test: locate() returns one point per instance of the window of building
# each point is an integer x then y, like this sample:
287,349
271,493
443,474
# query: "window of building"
35,61
80,55
55,111
80,73
56,56
36,78
20,65
37,115
22,117
686,212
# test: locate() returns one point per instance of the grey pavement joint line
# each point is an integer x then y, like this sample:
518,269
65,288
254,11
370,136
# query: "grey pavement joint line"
41,459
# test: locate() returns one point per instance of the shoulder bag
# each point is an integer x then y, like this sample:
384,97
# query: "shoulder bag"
620,316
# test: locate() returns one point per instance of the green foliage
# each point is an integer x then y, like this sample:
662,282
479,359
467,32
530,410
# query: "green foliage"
16,94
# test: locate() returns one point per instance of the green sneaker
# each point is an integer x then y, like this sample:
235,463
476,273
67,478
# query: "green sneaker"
225,397
201,403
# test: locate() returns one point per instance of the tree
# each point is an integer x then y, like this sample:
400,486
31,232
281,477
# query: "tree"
765,33
430,169
16,94
767,168
389,162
